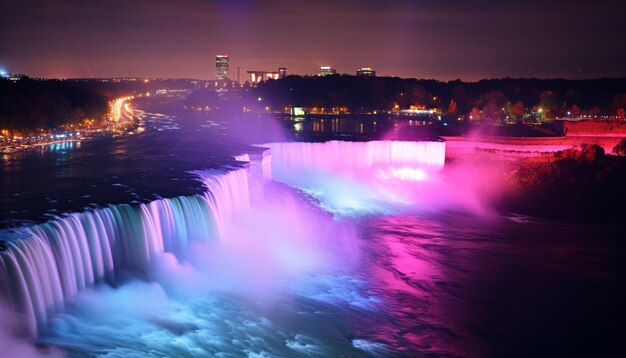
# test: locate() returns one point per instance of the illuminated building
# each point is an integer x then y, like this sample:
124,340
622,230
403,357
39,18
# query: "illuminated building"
366,72
221,67
326,71
15,77
282,72
297,111
11,77
257,76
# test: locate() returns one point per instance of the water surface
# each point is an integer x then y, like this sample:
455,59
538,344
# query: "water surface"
395,283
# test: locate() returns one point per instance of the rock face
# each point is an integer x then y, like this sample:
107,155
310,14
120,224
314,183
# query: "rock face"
592,128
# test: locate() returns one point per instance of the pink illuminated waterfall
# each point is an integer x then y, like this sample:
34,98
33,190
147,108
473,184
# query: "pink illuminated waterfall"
288,158
42,265
360,178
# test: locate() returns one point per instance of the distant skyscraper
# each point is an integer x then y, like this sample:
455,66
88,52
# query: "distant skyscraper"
282,72
326,70
366,72
221,67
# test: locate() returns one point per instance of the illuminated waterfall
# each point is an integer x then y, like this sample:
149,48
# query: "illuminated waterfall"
42,265
288,158
360,178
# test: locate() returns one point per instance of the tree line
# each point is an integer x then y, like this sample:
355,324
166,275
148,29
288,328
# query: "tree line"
485,99
32,104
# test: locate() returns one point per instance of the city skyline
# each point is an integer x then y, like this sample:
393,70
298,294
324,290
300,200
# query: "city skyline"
444,40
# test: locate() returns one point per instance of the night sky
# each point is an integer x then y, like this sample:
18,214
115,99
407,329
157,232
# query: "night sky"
442,39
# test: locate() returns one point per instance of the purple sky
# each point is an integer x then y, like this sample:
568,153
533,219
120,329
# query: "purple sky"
442,39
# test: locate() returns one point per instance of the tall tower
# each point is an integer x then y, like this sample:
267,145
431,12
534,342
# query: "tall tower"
221,67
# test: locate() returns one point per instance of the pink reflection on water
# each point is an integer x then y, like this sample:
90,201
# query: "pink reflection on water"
413,273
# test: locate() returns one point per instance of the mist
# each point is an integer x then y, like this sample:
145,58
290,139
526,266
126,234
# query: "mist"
14,338
350,180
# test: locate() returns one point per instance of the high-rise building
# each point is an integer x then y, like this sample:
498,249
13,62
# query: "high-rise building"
326,71
282,72
366,72
221,67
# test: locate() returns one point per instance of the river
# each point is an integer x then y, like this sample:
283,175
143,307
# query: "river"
288,279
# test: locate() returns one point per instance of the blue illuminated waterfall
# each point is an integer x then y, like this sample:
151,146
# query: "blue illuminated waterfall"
42,265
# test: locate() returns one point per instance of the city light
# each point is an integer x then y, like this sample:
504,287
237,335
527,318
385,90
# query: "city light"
366,72
119,108
326,71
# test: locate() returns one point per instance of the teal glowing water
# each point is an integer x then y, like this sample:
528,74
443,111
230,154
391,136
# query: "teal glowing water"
46,264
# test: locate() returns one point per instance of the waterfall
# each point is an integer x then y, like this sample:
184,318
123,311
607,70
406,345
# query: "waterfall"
42,265
288,158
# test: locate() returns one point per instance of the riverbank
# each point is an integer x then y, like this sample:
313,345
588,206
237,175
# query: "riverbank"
557,178
120,120
457,146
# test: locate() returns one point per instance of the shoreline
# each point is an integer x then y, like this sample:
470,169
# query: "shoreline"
121,120
524,146
576,183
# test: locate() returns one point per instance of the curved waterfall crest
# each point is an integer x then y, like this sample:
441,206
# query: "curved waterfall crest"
43,265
